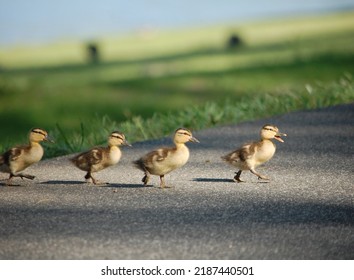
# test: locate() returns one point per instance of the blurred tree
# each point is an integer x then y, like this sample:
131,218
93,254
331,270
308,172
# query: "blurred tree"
234,41
93,53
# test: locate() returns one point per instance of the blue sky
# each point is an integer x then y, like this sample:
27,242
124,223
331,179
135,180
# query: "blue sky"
37,21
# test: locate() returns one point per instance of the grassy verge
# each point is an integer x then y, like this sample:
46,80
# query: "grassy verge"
310,96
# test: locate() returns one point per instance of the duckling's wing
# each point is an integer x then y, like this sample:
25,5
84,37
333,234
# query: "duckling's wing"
161,154
8,158
12,155
149,159
89,158
241,154
231,157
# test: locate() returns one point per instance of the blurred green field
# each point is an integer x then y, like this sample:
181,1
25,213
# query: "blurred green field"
168,73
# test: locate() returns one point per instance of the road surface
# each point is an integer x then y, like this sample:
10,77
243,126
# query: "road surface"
306,211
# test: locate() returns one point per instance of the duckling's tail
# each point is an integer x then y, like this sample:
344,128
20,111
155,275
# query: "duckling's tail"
3,167
5,158
73,160
139,164
225,158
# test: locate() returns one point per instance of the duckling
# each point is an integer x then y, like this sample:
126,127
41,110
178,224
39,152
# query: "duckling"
251,155
164,160
20,157
100,158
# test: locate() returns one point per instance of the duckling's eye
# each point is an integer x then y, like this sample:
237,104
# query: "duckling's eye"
184,133
270,129
118,137
39,132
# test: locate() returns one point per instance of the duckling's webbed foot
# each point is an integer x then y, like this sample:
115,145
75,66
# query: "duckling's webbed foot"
27,176
10,184
163,184
90,178
260,177
99,183
21,175
237,177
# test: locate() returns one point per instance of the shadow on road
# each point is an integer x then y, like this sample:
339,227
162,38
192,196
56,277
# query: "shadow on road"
63,182
213,180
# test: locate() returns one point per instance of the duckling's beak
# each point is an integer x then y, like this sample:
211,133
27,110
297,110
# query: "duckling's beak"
49,139
193,139
126,143
279,135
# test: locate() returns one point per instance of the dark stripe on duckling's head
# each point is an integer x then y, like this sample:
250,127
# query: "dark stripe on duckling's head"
39,131
270,127
118,134
183,131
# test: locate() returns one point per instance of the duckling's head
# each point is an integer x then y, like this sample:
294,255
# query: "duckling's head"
117,139
37,135
271,132
183,135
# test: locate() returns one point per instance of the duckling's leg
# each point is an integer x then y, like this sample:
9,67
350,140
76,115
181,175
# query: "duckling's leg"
88,177
146,178
8,182
237,177
259,175
94,181
27,176
162,181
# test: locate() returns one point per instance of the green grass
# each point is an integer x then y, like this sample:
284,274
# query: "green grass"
210,114
146,86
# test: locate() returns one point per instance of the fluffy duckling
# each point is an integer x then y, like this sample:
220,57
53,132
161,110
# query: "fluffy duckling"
19,158
251,155
100,158
164,160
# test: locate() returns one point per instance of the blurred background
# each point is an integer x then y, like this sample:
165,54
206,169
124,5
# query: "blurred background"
83,68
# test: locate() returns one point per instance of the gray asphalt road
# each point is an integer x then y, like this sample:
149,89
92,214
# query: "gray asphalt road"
305,212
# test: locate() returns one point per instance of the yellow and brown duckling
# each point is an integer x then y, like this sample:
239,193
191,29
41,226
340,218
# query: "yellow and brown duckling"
99,158
251,155
19,158
164,160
